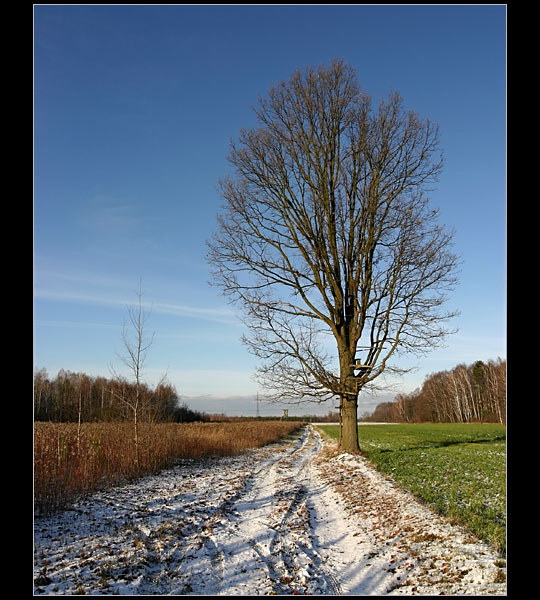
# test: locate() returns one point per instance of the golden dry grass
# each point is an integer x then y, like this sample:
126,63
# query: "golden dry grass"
68,463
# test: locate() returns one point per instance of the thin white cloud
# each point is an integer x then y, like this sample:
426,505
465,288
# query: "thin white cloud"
80,324
52,274
223,315
192,310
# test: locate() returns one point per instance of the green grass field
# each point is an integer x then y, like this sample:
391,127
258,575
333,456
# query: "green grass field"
459,469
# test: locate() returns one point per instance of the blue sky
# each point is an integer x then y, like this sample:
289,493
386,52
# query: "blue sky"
134,108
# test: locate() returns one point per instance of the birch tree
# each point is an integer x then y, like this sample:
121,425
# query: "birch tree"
137,342
327,240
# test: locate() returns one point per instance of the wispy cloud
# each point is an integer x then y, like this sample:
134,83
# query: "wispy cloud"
62,276
73,324
195,311
219,314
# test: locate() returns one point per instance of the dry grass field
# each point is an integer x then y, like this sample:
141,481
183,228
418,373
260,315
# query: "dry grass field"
70,462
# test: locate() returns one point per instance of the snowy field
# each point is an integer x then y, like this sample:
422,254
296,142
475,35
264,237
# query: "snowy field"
290,518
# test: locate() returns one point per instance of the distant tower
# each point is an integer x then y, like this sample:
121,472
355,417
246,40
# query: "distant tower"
258,411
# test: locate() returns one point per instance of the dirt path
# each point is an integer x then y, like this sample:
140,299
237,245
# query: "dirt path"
280,520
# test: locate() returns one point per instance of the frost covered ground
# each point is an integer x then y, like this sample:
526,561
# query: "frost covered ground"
291,518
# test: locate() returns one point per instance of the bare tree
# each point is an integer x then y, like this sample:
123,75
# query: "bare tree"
327,239
136,342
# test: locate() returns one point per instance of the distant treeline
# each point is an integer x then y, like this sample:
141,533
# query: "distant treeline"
474,393
72,397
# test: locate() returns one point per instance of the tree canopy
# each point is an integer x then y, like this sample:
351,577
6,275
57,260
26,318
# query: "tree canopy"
327,234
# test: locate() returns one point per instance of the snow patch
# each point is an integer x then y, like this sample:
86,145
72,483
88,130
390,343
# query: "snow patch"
284,519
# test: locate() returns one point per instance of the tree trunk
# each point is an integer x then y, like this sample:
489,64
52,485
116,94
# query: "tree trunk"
136,439
349,438
349,402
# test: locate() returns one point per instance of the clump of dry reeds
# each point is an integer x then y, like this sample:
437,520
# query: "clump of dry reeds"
70,461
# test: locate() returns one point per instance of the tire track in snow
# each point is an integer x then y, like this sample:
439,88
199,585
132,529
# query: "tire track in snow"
271,521
271,541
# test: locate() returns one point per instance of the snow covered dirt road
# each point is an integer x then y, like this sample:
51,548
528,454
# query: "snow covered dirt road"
285,519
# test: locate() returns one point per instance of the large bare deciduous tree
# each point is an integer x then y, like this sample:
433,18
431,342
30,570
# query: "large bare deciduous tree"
327,235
